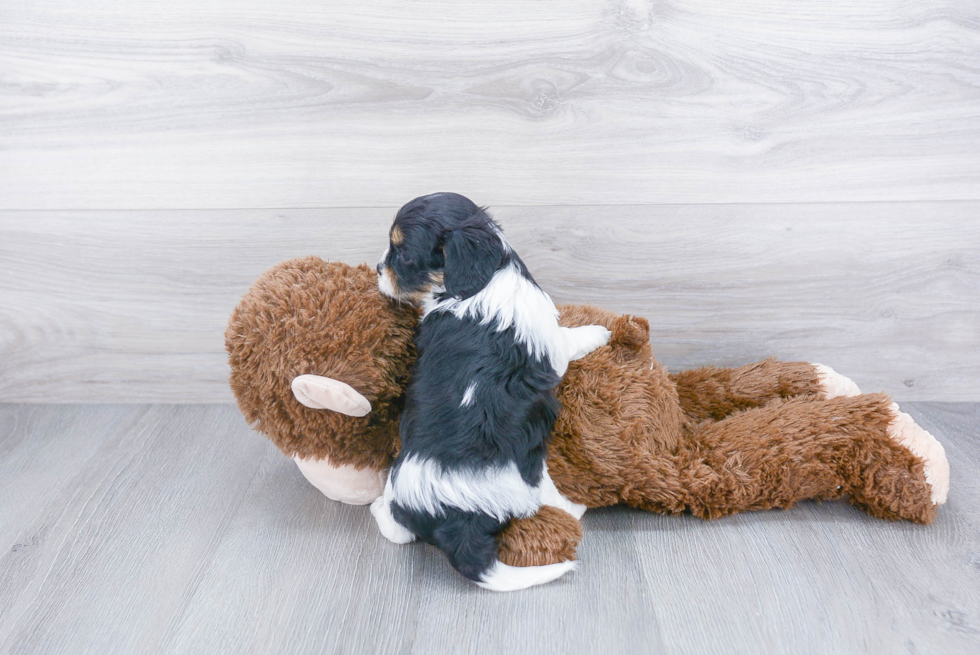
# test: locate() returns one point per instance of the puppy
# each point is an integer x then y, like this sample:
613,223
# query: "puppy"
480,404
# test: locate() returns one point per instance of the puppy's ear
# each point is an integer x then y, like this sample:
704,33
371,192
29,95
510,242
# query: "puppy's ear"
473,254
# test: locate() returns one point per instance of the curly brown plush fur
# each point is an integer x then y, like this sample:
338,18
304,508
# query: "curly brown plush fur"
752,438
308,316
548,537
714,393
711,441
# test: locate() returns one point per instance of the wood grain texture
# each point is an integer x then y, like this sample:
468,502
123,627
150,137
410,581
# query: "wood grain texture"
183,104
176,529
131,306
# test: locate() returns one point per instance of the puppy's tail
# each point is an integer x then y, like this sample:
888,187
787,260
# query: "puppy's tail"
502,577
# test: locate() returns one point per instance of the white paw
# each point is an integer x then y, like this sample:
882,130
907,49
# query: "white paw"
502,577
904,430
390,529
834,384
587,338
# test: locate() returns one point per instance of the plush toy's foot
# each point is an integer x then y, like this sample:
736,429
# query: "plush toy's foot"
834,384
549,537
904,430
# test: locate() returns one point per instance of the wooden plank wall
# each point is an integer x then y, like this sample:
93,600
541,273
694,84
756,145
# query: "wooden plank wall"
800,181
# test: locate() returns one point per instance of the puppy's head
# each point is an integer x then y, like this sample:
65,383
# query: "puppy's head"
440,245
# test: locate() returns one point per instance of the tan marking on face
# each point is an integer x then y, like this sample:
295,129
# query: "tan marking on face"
392,279
397,237
437,277
416,297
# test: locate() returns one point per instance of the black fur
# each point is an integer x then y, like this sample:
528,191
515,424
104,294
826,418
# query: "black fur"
446,233
467,538
473,254
513,407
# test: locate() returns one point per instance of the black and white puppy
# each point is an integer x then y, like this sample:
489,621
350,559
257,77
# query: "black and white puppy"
480,404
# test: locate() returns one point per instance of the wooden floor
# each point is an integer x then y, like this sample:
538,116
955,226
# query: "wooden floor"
176,529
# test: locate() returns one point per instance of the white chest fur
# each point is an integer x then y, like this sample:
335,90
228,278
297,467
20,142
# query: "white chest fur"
511,300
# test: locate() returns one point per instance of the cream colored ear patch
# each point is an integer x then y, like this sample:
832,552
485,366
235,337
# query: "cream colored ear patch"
318,392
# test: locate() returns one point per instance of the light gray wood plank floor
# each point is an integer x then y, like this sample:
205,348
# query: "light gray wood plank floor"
176,529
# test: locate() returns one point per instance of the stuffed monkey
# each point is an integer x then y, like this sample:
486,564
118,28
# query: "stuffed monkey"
320,360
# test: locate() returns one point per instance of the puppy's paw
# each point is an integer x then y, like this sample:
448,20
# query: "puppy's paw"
585,339
390,529
905,431
501,577
835,385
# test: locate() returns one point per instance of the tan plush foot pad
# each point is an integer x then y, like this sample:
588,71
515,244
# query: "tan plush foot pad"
834,384
923,445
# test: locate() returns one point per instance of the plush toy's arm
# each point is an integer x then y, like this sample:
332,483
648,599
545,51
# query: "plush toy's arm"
714,393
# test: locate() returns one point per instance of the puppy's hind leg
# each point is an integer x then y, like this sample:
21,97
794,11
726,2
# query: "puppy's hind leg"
469,540
551,496
391,529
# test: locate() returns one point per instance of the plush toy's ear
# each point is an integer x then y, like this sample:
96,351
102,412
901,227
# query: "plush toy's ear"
472,253
318,392
632,332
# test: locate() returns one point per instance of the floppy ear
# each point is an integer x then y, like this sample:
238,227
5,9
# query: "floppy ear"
472,253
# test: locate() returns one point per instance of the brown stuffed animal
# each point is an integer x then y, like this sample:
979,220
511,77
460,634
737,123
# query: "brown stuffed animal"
320,361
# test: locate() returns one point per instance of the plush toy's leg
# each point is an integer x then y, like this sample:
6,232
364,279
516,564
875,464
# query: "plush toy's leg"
714,393
549,537
791,450
344,483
